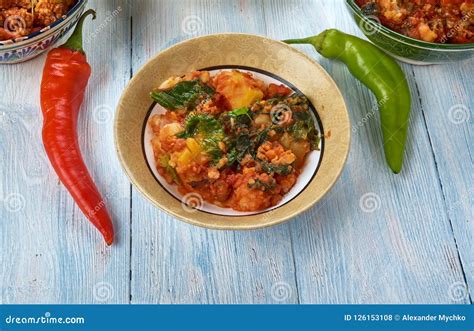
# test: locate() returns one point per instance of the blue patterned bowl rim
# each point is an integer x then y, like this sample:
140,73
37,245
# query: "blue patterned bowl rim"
398,37
16,41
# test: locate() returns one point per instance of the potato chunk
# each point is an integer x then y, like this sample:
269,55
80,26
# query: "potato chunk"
239,88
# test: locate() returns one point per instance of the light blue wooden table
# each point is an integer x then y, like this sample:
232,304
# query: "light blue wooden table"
375,238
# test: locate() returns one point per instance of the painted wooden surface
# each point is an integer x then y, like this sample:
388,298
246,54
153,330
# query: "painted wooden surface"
375,238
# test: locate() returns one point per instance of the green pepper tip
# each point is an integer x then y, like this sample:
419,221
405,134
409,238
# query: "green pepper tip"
396,172
394,165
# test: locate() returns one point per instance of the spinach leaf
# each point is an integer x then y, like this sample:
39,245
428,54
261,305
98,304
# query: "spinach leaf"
211,147
237,120
304,128
209,132
276,169
240,146
201,124
299,130
185,94
261,137
239,112
261,185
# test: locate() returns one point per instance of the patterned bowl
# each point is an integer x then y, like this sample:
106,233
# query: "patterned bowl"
25,48
407,49
268,60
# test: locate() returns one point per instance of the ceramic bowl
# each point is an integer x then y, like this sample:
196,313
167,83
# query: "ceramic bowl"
407,49
269,60
25,48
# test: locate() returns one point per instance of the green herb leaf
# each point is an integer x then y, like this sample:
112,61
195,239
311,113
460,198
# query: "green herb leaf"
270,168
164,162
185,94
200,123
240,147
208,129
239,112
261,185
304,128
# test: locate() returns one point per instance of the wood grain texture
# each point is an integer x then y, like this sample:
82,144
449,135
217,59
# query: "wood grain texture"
50,253
175,262
375,238
399,247
449,119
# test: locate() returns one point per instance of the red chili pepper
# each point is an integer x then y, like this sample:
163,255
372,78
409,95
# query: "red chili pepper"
65,78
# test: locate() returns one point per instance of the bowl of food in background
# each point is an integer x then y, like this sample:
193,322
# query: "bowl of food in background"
31,27
418,32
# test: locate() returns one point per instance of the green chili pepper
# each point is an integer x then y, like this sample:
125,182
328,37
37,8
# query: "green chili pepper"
382,75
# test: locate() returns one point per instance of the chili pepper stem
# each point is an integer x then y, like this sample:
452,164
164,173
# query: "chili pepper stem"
316,41
75,40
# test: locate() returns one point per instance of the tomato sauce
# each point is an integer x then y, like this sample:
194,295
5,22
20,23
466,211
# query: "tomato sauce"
438,21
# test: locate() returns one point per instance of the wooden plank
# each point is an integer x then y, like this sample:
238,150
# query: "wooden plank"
174,262
376,237
449,119
402,251
50,253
